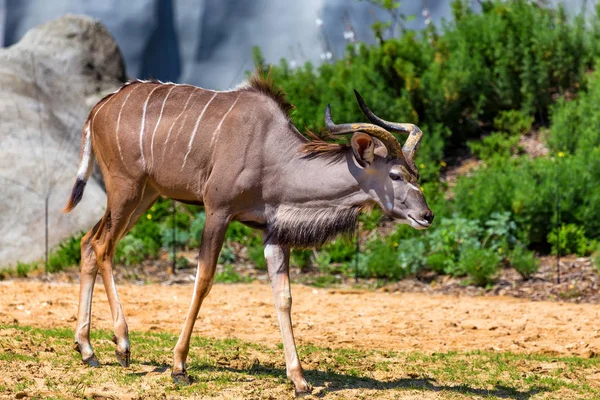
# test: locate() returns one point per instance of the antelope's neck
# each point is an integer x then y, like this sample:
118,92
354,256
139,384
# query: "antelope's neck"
319,181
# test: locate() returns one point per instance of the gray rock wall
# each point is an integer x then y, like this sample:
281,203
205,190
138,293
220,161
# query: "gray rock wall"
209,42
48,83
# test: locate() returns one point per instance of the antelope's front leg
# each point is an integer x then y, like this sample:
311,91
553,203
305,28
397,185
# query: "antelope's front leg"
278,258
210,246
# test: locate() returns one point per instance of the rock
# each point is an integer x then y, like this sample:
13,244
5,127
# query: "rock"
48,83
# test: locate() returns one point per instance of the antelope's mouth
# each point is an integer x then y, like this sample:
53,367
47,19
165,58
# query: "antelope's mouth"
424,224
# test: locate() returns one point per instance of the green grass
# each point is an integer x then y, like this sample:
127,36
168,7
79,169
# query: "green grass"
42,363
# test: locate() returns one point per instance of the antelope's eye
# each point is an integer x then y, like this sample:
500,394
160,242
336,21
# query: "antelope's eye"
395,175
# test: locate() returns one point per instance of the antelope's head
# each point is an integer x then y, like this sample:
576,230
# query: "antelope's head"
385,170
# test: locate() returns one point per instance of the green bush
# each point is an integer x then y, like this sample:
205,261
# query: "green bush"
439,263
66,255
132,250
227,255
531,190
257,257
569,239
379,260
481,265
23,269
495,147
450,237
410,257
576,123
230,275
524,262
301,258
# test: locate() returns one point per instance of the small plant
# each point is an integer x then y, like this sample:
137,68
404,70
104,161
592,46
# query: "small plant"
410,256
230,275
227,255
132,250
301,258
596,257
571,238
524,262
66,255
439,263
23,269
481,265
257,257
495,147
380,261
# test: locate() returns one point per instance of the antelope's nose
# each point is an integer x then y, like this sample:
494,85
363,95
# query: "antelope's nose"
428,216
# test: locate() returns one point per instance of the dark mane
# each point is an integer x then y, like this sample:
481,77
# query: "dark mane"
317,146
258,82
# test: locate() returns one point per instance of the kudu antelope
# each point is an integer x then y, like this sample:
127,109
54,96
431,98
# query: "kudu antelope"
237,154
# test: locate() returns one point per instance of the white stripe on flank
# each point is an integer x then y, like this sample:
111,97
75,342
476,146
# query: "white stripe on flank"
143,125
214,139
157,123
175,123
119,121
196,129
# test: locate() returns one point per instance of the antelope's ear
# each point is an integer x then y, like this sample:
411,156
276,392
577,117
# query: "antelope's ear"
363,148
380,149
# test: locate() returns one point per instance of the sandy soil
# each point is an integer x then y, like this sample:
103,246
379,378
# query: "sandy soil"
326,317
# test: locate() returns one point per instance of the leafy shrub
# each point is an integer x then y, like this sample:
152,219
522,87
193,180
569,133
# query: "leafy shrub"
230,275
439,263
450,238
227,255
524,262
481,265
301,258
569,239
257,257
342,249
576,123
531,190
23,269
495,147
410,257
379,260
132,250
66,255
196,229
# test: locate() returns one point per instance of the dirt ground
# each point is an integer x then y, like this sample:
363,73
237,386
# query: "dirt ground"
325,317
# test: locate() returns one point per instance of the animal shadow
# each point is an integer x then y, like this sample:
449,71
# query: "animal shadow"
333,382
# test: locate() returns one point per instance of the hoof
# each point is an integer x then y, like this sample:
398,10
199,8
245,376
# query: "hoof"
181,378
91,361
303,393
123,358
304,389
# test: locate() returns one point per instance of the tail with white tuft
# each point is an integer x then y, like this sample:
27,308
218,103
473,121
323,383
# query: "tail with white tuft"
86,165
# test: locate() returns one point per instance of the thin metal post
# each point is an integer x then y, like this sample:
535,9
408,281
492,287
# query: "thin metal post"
557,221
174,265
46,231
357,252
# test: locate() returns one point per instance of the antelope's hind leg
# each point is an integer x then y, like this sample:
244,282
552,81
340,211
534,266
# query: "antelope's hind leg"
98,249
125,212
87,278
